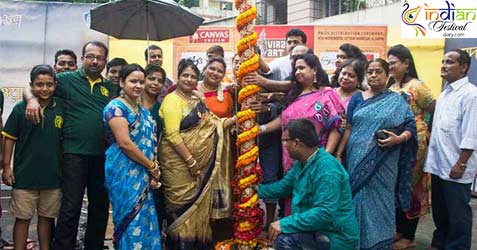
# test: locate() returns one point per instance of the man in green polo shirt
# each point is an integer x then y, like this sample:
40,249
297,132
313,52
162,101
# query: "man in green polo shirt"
85,93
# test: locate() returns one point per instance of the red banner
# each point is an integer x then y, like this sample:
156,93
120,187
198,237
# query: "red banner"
325,41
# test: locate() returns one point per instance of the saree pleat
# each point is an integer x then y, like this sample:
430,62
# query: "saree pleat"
189,201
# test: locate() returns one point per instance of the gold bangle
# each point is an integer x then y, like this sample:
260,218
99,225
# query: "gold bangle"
188,158
193,164
154,169
153,166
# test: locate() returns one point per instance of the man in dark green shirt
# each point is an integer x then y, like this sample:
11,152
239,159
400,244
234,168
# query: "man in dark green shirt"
322,212
85,93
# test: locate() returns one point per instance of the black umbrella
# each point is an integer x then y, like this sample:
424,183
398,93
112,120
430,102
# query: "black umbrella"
144,19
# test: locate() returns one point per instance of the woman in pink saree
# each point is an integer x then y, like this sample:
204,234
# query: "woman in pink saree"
309,98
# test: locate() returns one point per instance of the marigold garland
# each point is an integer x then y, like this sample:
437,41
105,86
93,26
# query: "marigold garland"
248,216
246,162
227,244
247,91
247,181
250,153
246,42
251,202
245,226
244,115
247,135
248,66
247,16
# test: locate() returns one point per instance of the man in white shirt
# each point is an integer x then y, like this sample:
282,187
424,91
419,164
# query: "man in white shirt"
280,68
451,159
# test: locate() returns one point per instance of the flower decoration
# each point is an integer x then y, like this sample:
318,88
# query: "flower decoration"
248,215
247,91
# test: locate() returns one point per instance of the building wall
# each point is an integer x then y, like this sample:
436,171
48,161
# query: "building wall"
300,11
272,11
211,9
388,15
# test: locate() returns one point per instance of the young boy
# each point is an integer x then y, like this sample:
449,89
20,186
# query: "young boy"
113,68
36,164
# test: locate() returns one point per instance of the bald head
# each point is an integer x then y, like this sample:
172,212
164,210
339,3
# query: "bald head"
299,50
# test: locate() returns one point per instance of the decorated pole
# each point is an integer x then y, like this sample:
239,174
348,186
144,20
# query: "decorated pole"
248,216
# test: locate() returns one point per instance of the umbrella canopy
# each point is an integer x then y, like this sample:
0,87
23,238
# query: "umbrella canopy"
144,19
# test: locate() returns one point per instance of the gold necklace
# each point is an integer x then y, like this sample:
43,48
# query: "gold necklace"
219,90
134,106
205,88
183,95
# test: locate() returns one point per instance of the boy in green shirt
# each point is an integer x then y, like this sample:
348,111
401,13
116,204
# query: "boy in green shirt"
36,172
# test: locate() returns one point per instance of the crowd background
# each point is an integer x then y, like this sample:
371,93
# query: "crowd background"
39,32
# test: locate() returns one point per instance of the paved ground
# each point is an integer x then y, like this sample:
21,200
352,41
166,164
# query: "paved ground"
423,237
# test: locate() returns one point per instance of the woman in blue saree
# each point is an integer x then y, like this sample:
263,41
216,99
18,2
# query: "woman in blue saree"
130,170
379,162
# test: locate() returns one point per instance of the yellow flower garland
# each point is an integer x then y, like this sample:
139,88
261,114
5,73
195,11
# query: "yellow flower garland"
247,91
245,115
251,202
248,215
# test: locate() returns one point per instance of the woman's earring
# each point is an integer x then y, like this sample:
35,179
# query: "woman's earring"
121,93
315,80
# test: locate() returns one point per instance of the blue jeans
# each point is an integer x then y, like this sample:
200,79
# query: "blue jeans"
452,214
302,241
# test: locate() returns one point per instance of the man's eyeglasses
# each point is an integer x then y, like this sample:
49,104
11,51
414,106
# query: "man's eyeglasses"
284,140
90,57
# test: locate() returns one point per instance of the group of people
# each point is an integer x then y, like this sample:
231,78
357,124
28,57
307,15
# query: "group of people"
349,158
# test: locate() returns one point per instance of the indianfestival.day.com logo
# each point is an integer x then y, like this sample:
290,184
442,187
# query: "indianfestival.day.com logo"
439,18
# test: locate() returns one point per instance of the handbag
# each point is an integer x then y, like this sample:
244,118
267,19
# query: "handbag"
381,135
